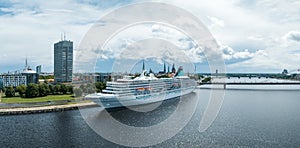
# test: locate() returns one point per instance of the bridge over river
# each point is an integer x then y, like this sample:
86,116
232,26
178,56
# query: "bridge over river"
248,83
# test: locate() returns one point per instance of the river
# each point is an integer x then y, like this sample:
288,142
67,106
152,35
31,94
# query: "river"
248,118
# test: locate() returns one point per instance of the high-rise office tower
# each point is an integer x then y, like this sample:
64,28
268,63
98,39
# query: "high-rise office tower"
63,61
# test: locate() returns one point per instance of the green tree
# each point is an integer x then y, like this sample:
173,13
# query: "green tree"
77,92
46,77
90,88
43,90
9,92
70,89
82,88
51,90
207,79
63,89
21,89
32,91
100,86
57,89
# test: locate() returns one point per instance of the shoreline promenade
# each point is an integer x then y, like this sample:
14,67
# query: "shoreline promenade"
44,109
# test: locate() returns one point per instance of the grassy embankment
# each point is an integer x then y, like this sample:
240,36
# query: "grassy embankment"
36,100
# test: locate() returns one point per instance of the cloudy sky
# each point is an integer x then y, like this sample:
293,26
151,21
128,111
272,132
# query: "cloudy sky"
253,36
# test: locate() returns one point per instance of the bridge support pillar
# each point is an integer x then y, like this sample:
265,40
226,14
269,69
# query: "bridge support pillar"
224,86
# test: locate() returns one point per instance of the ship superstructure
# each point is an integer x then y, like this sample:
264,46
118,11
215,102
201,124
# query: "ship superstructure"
143,89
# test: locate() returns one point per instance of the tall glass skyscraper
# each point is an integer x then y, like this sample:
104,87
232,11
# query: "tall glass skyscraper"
63,61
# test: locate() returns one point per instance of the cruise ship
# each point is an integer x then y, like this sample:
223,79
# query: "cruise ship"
143,89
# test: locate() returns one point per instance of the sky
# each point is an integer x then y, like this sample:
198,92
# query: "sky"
253,35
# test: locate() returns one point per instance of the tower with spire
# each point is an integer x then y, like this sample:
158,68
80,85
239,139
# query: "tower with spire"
143,68
27,67
31,75
165,67
173,69
150,71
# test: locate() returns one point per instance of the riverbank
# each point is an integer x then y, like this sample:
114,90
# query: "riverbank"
48,98
45,109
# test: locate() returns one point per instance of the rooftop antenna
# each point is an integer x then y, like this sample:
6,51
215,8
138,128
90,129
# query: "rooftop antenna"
26,62
61,36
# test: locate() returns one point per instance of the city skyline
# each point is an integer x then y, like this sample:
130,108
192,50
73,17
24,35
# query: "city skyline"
251,39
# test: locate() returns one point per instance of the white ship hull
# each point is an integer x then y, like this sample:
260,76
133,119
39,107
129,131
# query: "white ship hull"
113,101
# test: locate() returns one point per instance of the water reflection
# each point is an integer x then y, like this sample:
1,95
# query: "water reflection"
141,119
131,128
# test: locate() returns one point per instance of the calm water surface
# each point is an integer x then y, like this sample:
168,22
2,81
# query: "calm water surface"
246,119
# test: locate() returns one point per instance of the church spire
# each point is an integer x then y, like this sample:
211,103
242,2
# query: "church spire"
150,71
143,65
164,67
173,69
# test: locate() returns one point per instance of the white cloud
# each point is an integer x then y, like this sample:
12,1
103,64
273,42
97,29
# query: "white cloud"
281,54
257,26
130,36
195,54
31,27
216,21
293,36
256,38
229,53
158,28
243,54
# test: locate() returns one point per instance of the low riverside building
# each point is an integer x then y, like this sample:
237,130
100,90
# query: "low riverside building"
13,79
103,77
96,77
18,78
